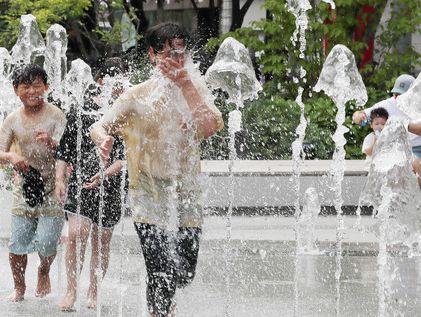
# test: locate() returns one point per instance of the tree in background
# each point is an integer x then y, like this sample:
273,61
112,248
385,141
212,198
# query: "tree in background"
93,26
352,23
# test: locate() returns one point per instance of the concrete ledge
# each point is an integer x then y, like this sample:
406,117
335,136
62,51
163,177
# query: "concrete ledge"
269,185
280,167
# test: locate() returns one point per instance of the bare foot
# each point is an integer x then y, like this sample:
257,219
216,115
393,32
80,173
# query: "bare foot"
91,298
43,285
67,302
173,310
16,296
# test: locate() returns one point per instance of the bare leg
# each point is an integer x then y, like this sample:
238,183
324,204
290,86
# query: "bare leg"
416,166
18,265
69,299
43,284
106,235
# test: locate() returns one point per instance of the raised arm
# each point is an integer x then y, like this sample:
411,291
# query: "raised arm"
113,121
207,117
415,127
359,116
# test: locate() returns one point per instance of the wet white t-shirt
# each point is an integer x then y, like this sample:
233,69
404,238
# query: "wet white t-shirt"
369,141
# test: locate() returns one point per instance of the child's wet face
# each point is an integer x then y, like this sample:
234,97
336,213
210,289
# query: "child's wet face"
175,50
31,94
378,123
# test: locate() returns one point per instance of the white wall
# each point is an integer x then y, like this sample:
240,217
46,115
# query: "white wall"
255,12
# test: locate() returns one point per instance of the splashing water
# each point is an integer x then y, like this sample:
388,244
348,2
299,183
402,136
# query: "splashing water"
55,63
342,82
232,71
9,100
307,221
76,83
392,189
30,46
409,102
299,9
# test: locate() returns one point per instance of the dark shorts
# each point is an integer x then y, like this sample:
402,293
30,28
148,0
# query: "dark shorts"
90,203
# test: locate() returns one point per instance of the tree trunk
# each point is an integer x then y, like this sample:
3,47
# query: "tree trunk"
160,11
239,14
142,23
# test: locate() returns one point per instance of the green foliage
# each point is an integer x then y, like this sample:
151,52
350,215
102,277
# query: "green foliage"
269,129
270,123
111,37
46,12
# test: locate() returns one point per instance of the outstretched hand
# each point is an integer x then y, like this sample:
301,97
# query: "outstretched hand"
42,136
93,182
359,116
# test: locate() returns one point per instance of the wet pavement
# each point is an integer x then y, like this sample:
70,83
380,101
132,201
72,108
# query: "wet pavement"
253,275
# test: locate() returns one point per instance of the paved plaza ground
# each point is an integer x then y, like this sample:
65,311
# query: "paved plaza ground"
253,276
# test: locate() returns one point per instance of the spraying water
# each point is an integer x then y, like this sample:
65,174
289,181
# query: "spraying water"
76,82
409,102
30,46
232,71
392,189
341,81
9,100
311,208
299,9
55,63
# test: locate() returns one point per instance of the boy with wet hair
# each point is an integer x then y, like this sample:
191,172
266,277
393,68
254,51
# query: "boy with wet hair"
162,121
34,130
165,33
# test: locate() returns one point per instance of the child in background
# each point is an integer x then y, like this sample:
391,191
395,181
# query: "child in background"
89,221
379,117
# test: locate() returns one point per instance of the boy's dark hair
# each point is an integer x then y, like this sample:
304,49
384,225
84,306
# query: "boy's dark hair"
110,66
156,36
379,113
27,74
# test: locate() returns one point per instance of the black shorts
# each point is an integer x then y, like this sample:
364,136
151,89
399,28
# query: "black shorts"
90,202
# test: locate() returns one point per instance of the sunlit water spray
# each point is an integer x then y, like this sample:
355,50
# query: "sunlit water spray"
342,82
109,88
55,63
299,9
75,84
409,102
30,46
233,72
8,100
307,222
392,189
